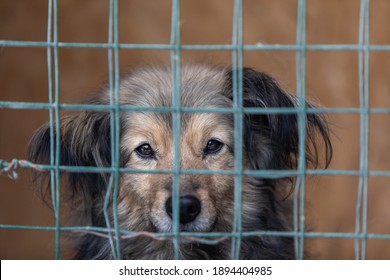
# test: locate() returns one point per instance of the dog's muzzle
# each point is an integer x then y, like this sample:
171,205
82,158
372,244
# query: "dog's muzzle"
189,207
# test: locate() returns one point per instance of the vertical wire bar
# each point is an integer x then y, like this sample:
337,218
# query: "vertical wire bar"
176,121
51,112
117,129
50,89
364,64
58,131
362,130
237,62
302,119
112,126
366,115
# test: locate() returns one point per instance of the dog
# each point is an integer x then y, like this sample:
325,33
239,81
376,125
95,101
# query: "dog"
206,201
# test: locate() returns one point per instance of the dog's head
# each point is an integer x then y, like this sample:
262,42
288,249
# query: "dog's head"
206,140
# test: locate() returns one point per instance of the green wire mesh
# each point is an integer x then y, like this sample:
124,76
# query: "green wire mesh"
237,48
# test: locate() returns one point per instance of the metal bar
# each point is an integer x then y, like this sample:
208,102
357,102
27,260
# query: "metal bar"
227,47
237,62
52,116
115,160
111,86
269,110
12,166
56,132
299,197
176,121
127,234
366,118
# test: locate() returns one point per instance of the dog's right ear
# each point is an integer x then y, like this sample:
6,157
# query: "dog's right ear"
84,141
271,140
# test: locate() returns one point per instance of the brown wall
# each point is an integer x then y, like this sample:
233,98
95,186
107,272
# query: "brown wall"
332,80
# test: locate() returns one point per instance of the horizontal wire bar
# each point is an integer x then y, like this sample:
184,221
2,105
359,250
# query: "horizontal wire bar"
12,166
97,107
227,47
90,229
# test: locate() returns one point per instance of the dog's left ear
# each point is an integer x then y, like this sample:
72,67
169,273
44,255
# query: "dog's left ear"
84,141
271,140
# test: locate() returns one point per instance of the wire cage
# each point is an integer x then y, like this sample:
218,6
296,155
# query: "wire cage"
237,49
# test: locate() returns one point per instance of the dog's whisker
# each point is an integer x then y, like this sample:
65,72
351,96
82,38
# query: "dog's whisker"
155,236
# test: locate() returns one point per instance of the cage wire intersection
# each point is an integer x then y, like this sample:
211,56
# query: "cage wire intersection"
237,48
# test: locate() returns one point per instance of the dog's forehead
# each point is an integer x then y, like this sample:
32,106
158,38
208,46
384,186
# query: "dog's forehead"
200,86
159,127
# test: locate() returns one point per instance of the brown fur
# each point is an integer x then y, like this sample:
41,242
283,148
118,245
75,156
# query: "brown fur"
270,142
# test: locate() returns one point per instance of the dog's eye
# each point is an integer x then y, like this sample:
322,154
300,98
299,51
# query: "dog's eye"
145,151
213,146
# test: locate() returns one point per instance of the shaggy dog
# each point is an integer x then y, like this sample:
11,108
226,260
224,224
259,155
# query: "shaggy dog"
206,202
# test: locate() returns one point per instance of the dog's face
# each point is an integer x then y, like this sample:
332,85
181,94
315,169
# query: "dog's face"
206,142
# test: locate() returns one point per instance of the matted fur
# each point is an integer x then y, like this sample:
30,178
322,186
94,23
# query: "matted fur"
270,142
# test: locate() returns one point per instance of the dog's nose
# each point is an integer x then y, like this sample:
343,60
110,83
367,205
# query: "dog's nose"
189,207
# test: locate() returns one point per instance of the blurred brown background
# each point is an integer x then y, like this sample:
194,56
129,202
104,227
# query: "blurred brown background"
332,81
